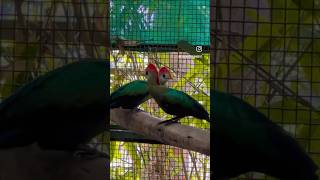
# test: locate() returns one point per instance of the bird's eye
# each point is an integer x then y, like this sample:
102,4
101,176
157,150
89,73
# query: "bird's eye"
163,75
146,72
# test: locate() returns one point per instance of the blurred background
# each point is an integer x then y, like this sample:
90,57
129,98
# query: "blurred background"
38,36
267,53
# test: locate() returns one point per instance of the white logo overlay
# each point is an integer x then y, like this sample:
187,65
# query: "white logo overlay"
199,48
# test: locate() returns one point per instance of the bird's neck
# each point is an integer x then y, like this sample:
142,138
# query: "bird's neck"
156,90
153,81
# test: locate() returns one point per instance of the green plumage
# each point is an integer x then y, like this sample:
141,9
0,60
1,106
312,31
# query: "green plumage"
245,140
131,95
59,110
178,103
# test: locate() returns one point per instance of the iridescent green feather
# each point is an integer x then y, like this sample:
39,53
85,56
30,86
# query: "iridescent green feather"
60,110
178,103
130,95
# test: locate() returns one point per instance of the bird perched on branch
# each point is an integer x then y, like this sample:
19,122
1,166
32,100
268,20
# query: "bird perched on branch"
172,101
245,140
61,110
131,95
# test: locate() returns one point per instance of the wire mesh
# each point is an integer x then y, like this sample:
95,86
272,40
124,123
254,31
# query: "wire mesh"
39,36
266,54
119,160
149,33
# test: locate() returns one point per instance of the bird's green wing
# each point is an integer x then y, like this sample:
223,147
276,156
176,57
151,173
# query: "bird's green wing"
243,134
133,88
60,110
72,86
181,100
130,95
246,120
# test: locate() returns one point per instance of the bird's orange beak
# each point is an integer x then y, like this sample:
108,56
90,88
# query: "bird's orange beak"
142,73
170,75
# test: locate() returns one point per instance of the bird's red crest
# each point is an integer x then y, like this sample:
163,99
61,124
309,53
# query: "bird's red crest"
164,70
153,67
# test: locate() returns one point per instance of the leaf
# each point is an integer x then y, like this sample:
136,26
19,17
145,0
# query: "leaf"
113,149
314,146
132,150
310,67
305,4
253,15
289,111
6,88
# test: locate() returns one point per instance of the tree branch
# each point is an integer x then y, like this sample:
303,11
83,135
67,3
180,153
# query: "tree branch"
178,135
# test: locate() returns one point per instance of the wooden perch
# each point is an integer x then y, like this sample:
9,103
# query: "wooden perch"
32,163
130,136
178,135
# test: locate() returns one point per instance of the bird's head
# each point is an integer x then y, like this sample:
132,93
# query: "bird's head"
164,75
151,74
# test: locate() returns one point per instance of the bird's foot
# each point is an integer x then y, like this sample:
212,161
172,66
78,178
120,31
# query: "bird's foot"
87,152
138,110
168,122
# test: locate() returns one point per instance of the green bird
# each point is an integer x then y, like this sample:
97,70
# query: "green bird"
61,110
131,95
172,101
245,140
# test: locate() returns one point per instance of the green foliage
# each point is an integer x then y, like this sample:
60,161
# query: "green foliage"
132,151
173,21
24,55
